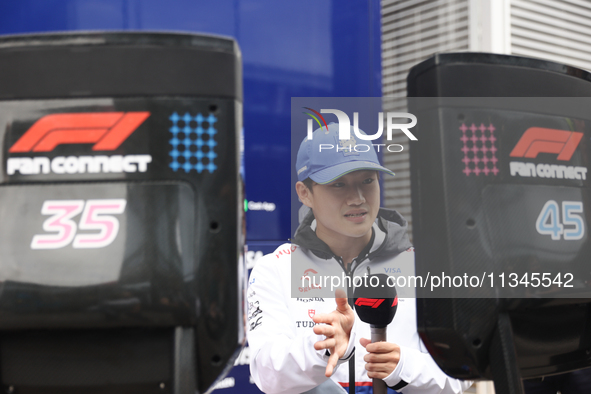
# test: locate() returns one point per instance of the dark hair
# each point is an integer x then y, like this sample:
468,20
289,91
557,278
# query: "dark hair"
309,183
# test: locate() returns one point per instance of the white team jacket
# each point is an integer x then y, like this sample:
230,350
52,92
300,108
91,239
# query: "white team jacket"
281,339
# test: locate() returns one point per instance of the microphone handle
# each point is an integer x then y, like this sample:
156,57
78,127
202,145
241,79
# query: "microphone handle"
378,334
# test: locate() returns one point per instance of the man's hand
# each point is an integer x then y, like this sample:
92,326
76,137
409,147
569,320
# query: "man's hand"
337,329
381,358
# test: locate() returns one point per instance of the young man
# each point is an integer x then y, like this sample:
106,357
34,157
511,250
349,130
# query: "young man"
300,344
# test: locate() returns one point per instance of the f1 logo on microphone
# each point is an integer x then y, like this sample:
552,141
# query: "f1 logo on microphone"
106,130
537,140
373,302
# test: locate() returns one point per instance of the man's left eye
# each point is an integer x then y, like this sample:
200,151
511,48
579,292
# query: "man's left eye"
368,180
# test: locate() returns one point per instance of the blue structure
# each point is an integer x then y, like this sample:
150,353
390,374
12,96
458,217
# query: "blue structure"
304,48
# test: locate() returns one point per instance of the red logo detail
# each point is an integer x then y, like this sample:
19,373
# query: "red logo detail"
286,251
395,302
106,130
311,312
373,302
540,140
309,270
357,384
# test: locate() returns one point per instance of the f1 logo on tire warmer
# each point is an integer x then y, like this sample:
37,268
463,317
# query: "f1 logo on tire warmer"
106,130
538,140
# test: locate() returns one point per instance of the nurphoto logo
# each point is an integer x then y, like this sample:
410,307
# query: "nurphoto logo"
350,144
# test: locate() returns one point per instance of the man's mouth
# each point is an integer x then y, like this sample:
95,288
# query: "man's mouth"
355,215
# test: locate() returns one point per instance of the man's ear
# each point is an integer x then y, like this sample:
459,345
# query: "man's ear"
304,194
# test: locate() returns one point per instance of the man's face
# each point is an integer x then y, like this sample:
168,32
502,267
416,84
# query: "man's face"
347,207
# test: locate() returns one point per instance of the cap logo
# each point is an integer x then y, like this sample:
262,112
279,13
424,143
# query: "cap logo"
346,147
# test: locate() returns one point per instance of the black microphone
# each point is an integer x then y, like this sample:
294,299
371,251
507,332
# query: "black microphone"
378,312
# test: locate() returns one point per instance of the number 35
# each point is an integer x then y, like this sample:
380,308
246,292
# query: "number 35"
94,217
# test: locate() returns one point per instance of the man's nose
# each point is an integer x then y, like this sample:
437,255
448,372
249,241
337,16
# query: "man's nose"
355,196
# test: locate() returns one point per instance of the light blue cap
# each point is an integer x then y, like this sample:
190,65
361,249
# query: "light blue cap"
325,158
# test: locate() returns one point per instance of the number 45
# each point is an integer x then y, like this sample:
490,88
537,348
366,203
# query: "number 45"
548,222
93,218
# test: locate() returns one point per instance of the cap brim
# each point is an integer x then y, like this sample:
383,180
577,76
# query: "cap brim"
330,174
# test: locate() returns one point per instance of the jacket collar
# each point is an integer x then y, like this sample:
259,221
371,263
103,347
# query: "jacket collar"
389,221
